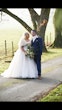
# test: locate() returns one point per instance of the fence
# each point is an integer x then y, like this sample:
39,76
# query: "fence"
6,51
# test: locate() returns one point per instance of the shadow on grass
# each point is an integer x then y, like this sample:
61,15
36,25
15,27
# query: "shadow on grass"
51,52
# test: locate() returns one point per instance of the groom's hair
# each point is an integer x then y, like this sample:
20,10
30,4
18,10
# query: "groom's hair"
34,31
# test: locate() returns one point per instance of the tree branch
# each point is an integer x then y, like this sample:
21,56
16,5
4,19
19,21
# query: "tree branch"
33,14
45,13
16,18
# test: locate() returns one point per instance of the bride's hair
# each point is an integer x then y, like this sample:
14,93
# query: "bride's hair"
22,37
26,33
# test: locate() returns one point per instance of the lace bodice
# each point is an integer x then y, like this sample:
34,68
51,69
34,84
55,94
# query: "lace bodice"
24,43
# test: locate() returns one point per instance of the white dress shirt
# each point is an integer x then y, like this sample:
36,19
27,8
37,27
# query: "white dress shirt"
35,38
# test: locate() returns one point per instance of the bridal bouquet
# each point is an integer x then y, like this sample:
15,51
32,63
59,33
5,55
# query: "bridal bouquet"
30,51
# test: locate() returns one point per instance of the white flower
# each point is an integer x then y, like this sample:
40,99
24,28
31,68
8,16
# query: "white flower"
30,52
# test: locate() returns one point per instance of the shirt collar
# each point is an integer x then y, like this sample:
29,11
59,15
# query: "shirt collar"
35,38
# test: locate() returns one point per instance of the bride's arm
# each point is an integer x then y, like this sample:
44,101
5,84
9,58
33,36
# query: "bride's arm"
22,48
21,44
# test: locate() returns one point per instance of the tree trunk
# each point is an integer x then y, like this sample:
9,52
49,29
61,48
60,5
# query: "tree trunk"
37,23
42,28
58,28
42,34
58,39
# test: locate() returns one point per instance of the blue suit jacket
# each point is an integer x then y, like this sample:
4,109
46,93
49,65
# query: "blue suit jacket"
37,46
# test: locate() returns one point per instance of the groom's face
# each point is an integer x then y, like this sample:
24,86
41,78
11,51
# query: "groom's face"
33,33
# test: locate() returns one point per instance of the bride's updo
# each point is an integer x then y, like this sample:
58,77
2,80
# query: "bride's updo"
24,36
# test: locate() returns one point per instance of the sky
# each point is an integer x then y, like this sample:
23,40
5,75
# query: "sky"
23,13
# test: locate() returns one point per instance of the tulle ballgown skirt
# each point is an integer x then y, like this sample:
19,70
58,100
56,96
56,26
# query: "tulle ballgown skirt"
21,66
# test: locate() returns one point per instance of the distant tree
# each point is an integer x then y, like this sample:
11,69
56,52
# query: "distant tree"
58,28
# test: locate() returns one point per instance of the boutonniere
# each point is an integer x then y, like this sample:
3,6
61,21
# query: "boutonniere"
36,40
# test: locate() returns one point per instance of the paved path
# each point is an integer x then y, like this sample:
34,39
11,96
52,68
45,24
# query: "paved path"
29,89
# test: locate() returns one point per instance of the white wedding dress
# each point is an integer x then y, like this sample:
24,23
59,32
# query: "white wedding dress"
21,66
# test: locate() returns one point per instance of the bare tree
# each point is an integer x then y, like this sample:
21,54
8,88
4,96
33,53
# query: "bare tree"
39,21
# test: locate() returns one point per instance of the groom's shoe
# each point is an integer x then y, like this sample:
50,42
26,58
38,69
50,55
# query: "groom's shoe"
39,77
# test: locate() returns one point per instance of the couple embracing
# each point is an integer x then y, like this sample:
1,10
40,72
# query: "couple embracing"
22,65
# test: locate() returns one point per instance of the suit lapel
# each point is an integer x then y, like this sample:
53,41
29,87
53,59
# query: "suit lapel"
36,39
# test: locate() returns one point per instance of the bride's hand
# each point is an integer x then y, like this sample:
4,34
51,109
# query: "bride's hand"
25,53
22,48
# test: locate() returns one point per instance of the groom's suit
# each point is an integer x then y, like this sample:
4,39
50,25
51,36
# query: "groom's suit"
37,45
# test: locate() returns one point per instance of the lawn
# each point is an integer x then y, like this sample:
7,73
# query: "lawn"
52,53
54,96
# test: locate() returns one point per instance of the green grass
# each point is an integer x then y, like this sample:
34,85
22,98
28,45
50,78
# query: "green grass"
9,35
52,53
54,96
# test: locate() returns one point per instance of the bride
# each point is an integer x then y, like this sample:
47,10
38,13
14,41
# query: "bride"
21,65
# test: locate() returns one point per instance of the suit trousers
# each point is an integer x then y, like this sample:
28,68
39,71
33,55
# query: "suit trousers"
37,59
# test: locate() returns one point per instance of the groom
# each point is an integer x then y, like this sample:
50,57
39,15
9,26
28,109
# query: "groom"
36,43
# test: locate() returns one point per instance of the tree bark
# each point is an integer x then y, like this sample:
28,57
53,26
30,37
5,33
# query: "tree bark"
58,39
41,29
58,28
34,17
